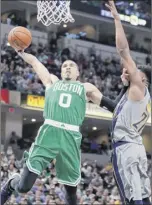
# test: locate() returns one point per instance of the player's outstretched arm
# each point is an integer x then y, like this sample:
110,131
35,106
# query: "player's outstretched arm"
111,104
42,72
122,45
93,94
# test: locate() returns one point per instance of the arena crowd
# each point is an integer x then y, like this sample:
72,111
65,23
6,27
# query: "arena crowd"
17,75
97,185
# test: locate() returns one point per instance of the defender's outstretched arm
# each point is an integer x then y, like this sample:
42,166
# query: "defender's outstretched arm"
122,45
97,97
111,104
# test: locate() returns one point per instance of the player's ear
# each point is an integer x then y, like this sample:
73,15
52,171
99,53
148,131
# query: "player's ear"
61,75
78,73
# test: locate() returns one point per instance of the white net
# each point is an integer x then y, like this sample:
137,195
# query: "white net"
54,12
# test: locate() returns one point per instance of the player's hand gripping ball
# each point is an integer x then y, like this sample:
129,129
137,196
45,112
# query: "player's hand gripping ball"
20,38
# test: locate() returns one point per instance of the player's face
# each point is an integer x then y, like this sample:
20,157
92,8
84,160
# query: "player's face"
69,70
144,78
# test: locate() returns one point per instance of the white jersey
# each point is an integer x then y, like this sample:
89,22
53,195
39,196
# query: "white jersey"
129,119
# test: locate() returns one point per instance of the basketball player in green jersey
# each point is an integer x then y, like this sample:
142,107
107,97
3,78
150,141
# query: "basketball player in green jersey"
59,137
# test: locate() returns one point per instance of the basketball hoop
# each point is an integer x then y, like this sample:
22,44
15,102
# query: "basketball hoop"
54,12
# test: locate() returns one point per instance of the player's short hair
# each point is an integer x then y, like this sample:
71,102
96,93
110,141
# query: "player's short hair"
71,59
146,69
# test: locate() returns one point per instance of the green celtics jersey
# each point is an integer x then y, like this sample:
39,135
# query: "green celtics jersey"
65,101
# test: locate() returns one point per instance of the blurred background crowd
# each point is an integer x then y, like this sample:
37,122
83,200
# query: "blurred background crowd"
88,145
97,184
17,75
105,74
139,8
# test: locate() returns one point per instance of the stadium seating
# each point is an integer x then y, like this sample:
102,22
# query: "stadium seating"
17,75
97,184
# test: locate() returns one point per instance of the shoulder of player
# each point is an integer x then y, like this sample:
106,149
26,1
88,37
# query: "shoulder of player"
137,92
53,78
88,87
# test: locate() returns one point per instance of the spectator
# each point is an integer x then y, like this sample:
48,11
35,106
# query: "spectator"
12,140
17,75
100,189
104,148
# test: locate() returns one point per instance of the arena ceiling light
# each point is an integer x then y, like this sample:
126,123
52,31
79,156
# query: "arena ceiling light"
25,118
33,120
64,25
94,128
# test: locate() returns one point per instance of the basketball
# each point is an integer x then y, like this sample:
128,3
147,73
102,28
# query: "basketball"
20,38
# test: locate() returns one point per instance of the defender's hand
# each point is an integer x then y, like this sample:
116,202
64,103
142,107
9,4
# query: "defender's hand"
125,77
111,6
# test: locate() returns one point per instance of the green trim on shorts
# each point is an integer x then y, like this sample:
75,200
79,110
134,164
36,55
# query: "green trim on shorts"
31,169
70,183
38,133
28,164
31,150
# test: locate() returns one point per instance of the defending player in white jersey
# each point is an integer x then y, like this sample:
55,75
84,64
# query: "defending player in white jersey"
130,117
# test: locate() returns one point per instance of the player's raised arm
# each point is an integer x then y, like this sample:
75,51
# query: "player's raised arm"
122,45
46,78
93,94
111,104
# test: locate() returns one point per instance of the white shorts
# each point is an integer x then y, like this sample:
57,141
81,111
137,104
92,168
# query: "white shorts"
130,171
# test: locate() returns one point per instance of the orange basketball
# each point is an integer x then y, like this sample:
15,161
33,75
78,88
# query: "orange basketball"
20,38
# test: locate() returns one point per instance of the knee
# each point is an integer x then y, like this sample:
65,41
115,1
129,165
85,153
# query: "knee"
146,201
71,197
70,190
23,189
